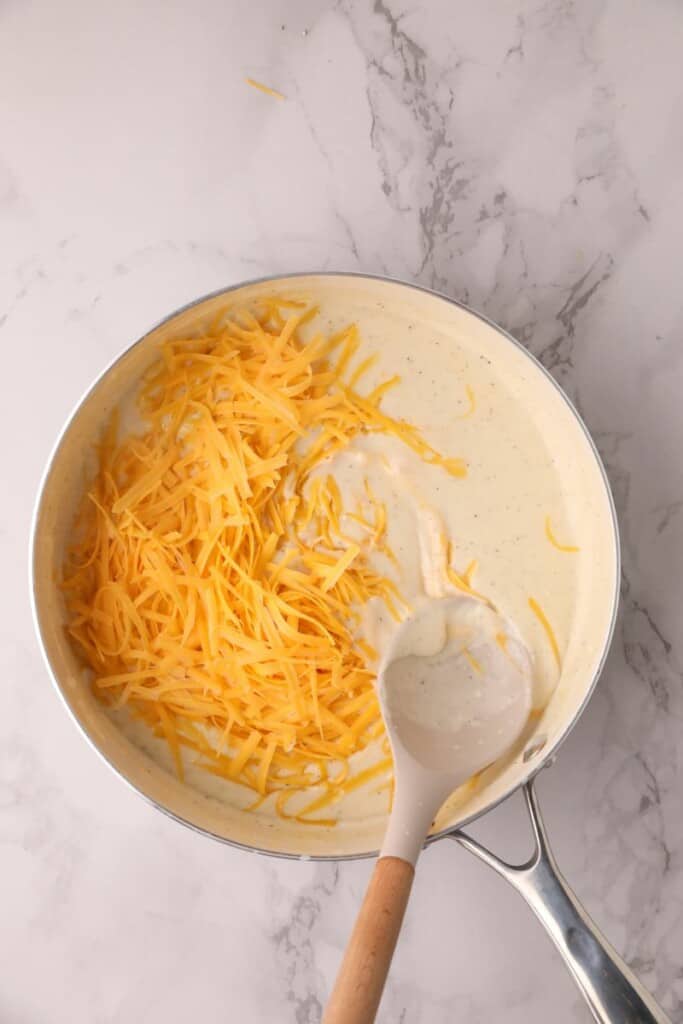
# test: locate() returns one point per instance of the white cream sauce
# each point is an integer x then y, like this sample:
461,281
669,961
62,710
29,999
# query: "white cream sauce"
495,515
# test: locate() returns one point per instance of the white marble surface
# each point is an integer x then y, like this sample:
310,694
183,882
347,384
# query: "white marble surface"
526,157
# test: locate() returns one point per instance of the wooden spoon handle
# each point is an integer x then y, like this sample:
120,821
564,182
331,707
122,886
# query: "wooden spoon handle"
360,982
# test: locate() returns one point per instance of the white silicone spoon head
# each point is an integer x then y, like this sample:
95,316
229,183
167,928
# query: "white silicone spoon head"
455,688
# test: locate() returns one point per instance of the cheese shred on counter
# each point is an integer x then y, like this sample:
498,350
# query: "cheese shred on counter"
213,590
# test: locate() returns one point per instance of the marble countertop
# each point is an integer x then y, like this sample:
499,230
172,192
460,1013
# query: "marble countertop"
525,157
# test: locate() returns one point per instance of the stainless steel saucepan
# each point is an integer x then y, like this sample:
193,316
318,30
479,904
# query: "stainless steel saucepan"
613,993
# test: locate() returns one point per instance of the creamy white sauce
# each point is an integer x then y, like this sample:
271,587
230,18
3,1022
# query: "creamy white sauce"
495,515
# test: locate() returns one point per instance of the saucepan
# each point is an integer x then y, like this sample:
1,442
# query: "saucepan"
389,307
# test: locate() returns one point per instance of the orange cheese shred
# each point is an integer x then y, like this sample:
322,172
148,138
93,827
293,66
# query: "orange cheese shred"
474,662
472,403
548,629
554,541
264,88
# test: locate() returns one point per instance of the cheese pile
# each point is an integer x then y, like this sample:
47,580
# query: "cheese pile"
215,585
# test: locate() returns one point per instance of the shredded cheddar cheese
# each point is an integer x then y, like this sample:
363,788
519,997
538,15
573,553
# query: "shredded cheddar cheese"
462,581
264,88
543,619
474,662
469,572
212,590
472,403
553,540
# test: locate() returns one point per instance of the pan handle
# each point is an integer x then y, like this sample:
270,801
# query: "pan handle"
613,993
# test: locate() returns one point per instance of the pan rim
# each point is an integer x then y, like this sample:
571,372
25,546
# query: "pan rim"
273,279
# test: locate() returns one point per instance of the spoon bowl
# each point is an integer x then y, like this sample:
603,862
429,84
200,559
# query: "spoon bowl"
455,689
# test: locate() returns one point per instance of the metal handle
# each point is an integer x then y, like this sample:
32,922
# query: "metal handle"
612,991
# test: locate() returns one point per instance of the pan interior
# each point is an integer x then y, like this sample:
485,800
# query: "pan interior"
443,340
